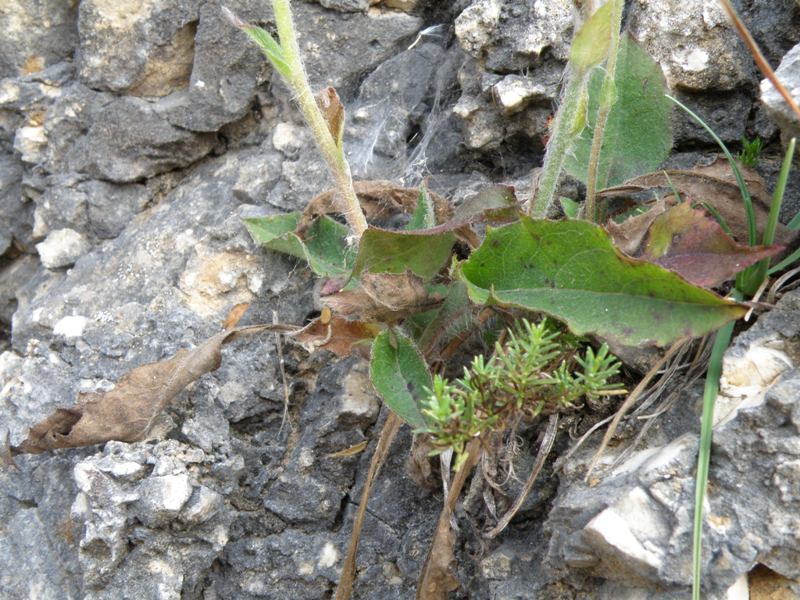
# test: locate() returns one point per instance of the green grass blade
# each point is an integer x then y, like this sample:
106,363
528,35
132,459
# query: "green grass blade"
794,223
721,342
777,197
746,198
718,217
759,271
751,278
786,262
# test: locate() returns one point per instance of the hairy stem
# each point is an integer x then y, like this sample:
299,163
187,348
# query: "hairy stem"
331,152
607,101
560,141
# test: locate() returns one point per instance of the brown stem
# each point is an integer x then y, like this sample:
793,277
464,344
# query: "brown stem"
390,429
761,62
436,580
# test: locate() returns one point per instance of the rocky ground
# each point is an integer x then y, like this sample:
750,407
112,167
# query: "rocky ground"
133,137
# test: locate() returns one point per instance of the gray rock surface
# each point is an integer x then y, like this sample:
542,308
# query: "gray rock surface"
788,74
694,45
36,35
752,500
506,40
61,248
144,49
133,138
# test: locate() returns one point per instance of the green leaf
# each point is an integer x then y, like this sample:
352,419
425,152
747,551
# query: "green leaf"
637,135
400,375
443,323
571,271
323,246
590,45
571,208
424,215
384,251
271,49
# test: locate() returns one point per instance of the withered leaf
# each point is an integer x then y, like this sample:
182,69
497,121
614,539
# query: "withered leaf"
379,200
333,112
340,336
691,243
716,185
437,579
127,412
385,297
351,451
629,234
235,315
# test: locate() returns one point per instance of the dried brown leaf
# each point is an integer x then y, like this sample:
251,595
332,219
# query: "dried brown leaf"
716,185
332,111
384,297
127,412
691,243
340,336
437,579
629,234
379,200
351,451
235,315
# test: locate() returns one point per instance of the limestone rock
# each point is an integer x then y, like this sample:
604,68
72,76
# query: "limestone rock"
117,139
505,39
752,500
346,5
62,248
35,34
788,74
127,493
149,129
15,225
694,44
510,35
142,48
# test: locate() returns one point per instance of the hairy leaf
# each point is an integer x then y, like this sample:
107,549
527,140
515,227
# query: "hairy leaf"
493,203
385,251
269,46
590,45
424,215
448,319
323,245
571,271
400,375
571,208
637,135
